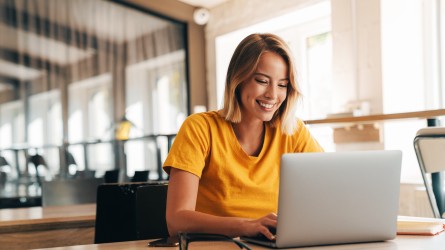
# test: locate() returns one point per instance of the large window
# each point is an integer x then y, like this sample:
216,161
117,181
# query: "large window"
411,71
71,71
11,133
156,100
156,104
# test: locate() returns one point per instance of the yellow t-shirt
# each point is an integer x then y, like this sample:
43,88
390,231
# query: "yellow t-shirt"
233,183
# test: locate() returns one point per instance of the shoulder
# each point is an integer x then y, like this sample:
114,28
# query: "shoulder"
203,121
209,115
208,118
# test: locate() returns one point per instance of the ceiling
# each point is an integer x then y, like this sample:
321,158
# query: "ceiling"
204,3
39,35
51,35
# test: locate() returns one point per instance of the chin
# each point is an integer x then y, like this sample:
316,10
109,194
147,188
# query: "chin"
267,118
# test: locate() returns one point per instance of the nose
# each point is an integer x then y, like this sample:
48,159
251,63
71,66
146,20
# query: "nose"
271,91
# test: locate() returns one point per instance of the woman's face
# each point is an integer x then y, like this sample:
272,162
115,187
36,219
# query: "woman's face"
264,92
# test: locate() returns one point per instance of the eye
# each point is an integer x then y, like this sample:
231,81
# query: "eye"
262,81
283,85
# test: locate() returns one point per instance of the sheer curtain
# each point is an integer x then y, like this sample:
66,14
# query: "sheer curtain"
65,65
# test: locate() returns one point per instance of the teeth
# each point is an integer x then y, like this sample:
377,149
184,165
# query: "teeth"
268,106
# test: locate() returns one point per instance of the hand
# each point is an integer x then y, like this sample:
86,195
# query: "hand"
260,226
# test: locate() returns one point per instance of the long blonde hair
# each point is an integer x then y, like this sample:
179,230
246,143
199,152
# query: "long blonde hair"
243,64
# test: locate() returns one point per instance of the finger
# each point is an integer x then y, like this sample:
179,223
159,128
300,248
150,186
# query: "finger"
266,232
269,222
273,215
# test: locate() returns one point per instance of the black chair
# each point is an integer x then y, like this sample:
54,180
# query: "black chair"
3,178
111,176
70,162
131,211
3,161
3,174
70,192
140,176
83,174
38,160
70,159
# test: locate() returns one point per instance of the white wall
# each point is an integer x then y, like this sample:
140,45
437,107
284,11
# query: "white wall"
402,55
357,53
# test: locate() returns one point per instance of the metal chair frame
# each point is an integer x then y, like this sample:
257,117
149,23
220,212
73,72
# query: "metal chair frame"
434,191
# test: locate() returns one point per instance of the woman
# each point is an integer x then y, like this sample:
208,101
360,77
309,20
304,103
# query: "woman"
224,165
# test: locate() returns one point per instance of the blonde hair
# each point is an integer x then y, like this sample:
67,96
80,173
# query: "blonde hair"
243,64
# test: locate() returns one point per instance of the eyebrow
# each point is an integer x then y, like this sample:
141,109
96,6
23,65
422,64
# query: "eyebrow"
262,74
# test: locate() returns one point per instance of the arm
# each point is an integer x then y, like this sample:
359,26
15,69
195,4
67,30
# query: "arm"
181,214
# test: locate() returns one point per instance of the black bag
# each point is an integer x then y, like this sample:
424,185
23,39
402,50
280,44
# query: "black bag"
131,211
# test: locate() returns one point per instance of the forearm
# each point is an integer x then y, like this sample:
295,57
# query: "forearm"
182,217
192,221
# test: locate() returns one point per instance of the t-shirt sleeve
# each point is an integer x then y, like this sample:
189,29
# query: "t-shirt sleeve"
305,142
190,147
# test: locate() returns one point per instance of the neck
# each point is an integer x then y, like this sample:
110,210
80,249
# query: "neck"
250,137
247,131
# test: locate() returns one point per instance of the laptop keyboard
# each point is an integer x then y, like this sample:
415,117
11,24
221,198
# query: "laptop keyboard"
261,237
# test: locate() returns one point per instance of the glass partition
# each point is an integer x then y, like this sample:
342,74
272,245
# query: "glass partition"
72,71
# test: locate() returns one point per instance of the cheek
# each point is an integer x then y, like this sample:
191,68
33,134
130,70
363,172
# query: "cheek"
283,95
251,94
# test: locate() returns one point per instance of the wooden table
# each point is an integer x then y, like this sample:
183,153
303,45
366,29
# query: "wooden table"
43,227
401,242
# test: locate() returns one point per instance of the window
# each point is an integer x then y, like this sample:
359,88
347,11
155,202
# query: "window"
410,65
68,76
156,104
11,133
156,94
44,129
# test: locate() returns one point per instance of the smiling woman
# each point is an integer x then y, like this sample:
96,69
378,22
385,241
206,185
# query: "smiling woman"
224,164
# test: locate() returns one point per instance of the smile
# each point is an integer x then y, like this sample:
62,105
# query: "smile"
265,105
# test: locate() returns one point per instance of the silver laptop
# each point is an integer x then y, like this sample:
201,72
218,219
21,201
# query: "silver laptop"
335,198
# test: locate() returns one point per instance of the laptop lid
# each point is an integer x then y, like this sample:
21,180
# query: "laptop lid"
341,197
